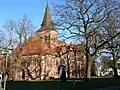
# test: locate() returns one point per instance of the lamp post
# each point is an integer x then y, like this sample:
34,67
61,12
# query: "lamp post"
5,66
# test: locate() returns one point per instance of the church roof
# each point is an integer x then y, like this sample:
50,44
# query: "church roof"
1,55
47,21
35,46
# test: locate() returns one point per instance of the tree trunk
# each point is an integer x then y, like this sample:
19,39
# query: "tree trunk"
115,72
115,67
16,70
68,71
76,69
114,64
29,74
89,60
68,67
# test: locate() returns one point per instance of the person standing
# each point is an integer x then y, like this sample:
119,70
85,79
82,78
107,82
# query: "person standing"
59,71
63,75
0,80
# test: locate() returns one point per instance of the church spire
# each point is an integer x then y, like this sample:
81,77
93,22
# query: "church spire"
47,20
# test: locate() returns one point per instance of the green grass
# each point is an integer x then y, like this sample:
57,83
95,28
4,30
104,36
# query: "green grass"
1,88
80,84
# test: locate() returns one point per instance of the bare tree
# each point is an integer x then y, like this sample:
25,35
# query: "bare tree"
110,28
32,66
70,55
106,63
24,31
8,43
82,19
15,33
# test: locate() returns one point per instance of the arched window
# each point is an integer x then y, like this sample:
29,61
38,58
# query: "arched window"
45,38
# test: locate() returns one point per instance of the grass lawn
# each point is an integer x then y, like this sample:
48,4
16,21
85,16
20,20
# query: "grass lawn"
1,88
79,84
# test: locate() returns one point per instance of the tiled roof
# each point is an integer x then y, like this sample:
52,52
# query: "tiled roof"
47,21
35,46
1,55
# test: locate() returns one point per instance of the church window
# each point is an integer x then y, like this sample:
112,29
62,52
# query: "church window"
45,38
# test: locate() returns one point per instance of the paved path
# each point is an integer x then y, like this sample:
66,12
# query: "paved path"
109,88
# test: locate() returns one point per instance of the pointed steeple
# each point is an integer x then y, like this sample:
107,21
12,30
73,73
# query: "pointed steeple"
47,20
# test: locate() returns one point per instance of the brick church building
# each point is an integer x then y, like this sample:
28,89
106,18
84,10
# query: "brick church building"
40,56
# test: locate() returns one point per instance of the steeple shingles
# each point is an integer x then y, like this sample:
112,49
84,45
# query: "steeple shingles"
47,20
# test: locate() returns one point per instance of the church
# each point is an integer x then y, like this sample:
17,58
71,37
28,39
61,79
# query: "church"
40,56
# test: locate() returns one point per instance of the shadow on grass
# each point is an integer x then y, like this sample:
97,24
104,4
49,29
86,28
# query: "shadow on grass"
71,84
